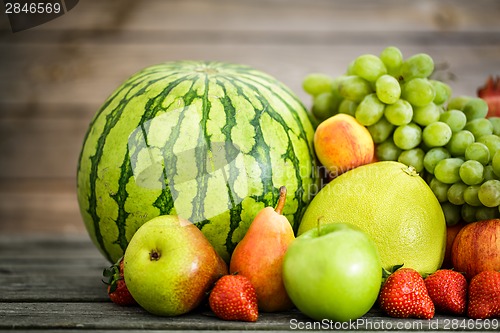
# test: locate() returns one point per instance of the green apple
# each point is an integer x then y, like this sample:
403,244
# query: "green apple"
333,272
169,265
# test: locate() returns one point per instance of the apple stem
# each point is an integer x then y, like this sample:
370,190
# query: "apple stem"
318,224
154,255
281,200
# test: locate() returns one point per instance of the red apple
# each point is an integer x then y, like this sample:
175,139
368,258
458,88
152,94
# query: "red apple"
476,248
451,233
490,92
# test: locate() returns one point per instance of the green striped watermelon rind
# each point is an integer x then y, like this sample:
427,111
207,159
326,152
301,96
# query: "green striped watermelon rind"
164,143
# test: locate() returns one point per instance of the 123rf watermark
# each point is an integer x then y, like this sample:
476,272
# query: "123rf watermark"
365,324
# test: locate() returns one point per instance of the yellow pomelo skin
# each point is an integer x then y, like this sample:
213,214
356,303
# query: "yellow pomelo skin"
391,203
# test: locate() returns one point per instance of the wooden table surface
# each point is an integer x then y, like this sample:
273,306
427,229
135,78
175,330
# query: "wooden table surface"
55,76
49,283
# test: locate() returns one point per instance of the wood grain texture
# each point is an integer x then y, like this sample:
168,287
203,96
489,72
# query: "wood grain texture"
55,77
54,283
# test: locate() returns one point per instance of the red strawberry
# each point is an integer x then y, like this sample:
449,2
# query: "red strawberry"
404,295
448,291
484,295
233,298
490,92
117,289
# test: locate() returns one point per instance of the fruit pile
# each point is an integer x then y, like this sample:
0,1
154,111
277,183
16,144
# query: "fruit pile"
169,266
404,158
414,119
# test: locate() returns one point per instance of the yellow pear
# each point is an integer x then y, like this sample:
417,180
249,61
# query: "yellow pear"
259,256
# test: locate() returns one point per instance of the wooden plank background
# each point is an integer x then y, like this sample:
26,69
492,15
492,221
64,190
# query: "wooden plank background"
54,77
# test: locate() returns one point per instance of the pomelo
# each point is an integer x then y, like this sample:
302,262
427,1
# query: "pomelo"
394,205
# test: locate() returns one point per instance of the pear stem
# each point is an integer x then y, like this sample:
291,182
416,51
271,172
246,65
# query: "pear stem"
281,200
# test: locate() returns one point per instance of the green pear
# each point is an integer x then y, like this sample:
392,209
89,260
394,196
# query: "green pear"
169,266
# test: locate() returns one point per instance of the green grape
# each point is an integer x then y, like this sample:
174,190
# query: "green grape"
488,173
433,156
348,107
419,92
427,176
369,110
487,213
458,102
479,127
479,152
424,147
447,170
392,58
388,89
456,193
381,130
419,65
436,134
471,172
452,213
439,189
491,141
325,105
317,83
468,213
495,163
369,67
354,88
350,68
443,92
425,115
471,195
459,142
489,193
407,136
387,151
399,113
475,108
336,82
455,119
495,121
413,157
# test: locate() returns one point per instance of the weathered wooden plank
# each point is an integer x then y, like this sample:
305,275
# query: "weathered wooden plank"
41,206
37,248
262,15
53,282
108,316
55,269
40,147
37,75
48,213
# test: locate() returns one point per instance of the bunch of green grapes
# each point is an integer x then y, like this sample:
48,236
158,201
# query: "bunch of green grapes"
415,120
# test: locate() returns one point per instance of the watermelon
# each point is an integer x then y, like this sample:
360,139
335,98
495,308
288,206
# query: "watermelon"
211,142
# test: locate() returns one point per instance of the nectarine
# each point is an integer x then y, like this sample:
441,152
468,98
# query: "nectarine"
342,143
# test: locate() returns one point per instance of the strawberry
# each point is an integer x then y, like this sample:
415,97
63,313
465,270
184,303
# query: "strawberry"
448,291
233,298
484,295
403,295
117,289
490,92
